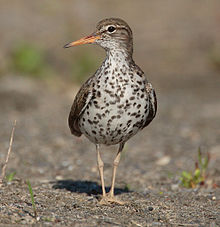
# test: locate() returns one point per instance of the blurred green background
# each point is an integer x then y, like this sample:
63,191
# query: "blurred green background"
174,41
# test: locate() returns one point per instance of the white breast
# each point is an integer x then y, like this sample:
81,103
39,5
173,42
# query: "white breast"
118,106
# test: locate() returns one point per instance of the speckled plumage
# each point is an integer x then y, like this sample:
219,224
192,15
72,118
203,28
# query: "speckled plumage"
117,101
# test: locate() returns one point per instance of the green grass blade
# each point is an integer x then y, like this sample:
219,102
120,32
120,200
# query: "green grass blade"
10,176
200,156
32,198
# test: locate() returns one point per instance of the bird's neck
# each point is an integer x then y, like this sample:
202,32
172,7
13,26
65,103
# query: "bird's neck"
119,57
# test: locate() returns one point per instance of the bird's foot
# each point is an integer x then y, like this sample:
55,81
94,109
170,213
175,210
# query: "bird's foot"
109,199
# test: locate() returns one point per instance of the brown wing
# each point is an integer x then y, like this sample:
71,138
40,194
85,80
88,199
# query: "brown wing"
81,100
152,104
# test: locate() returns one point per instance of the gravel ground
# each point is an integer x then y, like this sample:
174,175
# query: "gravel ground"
62,169
173,43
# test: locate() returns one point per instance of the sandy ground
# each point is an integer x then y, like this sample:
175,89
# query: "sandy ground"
173,45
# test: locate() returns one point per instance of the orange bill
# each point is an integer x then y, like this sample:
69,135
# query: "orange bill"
87,39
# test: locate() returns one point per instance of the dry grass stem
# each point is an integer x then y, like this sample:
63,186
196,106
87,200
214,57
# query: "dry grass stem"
8,155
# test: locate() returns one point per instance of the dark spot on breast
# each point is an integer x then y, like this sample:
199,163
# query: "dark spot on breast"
90,122
120,106
139,73
94,132
139,106
120,111
99,115
86,133
107,111
119,89
132,98
99,94
97,106
106,79
112,102
107,91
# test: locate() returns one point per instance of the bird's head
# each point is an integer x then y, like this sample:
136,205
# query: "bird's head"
111,34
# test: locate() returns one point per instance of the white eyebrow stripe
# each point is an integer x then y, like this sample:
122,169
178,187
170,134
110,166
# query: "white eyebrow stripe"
107,26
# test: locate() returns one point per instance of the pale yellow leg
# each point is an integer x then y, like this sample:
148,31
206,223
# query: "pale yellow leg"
100,167
115,165
109,197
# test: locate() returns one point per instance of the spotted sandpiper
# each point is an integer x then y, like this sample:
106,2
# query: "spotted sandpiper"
117,101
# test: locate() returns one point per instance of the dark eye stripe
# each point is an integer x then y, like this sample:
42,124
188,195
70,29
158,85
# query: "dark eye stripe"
124,28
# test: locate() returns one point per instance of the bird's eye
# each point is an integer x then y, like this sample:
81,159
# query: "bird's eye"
111,29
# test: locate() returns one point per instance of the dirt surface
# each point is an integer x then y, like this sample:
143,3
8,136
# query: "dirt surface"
62,168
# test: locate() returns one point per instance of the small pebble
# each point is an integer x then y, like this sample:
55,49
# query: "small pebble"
174,187
58,177
150,208
163,161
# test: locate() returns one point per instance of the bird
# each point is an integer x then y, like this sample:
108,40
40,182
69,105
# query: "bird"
117,101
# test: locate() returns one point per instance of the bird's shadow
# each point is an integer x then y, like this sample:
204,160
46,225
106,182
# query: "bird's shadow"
88,187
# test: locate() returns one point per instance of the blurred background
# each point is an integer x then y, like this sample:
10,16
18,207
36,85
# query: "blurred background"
176,43
171,39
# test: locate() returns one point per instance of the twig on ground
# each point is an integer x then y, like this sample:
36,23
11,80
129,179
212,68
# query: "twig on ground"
8,155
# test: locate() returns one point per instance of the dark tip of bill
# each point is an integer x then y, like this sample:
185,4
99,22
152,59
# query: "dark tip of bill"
66,46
